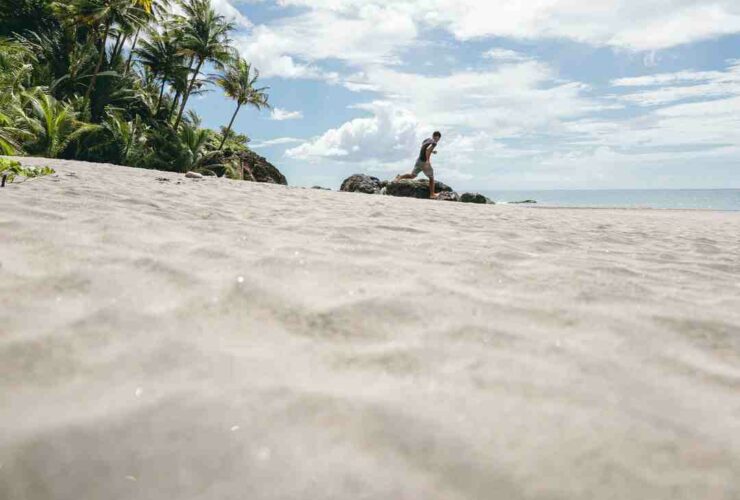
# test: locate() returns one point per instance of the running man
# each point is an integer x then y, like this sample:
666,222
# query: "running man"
424,163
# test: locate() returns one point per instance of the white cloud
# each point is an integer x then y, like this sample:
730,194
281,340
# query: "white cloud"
387,136
498,54
225,8
290,47
279,114
631,24
672,87
506,101
280,141
267,51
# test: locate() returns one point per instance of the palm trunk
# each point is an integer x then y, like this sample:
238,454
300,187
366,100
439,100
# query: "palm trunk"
131,52
159,101
120,47
100,63
228,129
187,94
175,102
115,46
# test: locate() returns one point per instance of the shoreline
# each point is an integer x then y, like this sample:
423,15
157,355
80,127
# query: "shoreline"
40,161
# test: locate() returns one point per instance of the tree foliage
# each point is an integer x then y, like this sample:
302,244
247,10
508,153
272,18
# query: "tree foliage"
110,81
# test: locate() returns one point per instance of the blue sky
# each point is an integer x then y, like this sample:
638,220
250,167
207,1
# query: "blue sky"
529,94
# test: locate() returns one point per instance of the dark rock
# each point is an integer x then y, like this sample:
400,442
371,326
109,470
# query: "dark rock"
259,169
474,198
360,183
448,196
525,202
414,188
320,188
256,168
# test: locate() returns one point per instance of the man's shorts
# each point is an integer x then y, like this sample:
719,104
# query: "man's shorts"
422,166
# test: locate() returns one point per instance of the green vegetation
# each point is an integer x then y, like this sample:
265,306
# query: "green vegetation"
12,169
110,81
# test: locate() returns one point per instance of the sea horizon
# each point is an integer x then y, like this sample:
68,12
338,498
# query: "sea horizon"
723,199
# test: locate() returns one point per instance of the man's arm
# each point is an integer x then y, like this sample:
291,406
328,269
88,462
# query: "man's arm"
430,150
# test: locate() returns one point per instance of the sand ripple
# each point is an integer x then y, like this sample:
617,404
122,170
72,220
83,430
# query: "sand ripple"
220,340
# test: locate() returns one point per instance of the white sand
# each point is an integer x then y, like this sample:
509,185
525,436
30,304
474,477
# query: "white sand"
225,340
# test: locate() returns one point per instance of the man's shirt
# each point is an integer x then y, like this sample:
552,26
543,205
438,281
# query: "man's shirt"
424,146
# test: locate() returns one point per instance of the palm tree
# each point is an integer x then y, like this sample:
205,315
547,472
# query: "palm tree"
195,140
161,55
238,83
151,11
51,124
205,38
95,13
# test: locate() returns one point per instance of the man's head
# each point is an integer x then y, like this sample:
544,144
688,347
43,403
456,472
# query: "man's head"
437,136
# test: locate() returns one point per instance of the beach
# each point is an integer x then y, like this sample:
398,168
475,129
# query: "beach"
164,337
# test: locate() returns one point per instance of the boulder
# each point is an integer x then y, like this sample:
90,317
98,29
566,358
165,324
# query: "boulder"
360,183
414,188
193,175
256,167
260,169
320,188
448,196
474,198
525,202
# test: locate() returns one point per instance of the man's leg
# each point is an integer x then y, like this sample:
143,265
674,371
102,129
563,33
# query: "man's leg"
429,172
413,175
406,176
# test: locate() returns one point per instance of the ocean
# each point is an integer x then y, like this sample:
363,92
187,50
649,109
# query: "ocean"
697,199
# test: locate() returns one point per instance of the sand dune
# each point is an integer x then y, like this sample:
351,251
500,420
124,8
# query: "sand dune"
183,339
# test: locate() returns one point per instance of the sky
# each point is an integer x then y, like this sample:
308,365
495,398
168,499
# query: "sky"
528,94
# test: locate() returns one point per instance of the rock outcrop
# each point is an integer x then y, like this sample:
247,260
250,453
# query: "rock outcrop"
448,196
261,170
414,188
408,188
256,167
360,183
474,198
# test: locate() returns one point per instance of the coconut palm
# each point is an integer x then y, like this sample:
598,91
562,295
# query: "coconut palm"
161,55
150,12
238,82
50,124
103,13
206,39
